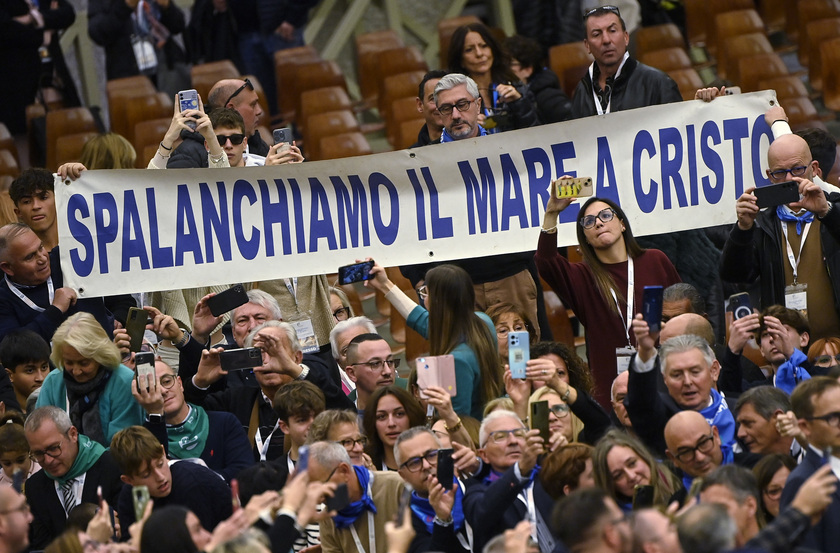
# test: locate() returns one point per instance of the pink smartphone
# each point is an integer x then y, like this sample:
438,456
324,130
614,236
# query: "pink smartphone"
438,370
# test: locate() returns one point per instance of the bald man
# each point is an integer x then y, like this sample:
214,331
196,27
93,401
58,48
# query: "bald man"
694,446
808,231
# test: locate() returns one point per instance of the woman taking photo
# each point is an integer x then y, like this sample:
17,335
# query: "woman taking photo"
391,412
90,381
619,268
452,327
621,463
475,53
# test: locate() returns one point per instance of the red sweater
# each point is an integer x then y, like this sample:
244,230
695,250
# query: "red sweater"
575,285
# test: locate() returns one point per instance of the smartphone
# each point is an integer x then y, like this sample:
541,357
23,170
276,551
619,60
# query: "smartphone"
140,495
303,459
283,136
576,187
730,90
339,500
519,353
774,195
437,370
539,419
445,468
405,500
188,99
740,305
356,272
642,497
144,363
228,300
240,359
135,325
652,307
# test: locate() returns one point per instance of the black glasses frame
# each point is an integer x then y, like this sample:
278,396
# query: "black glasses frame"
247,85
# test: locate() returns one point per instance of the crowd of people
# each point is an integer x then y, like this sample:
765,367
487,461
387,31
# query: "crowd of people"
677,437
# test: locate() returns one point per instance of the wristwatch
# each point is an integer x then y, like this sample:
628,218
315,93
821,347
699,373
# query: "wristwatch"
304,371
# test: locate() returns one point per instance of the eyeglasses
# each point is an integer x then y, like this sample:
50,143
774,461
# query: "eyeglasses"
500,436
378,364
52,452
781,174
832,419
774,493
416,463
560,410
247,85
601,9
423,292
327,479
705,445
22,508
342,313
235,139
826,360
462,105
605,215
350,443
167,381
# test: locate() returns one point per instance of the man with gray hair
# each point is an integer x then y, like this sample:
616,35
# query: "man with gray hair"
758,411
437,513
706,528
73,467
374,500
459,104
689,370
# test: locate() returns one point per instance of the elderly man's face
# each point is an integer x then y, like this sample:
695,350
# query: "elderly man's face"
689,378
246,318
459,124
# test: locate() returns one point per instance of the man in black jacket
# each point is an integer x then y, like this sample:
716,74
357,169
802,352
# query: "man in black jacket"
808,230
615,81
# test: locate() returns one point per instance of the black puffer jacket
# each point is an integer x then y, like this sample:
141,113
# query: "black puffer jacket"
637,86
553,105
523,112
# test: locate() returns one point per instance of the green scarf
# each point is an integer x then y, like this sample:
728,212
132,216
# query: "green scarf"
89,454
186,440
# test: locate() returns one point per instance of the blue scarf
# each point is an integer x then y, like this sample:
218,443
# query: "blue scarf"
790,373
719,415
421,507
446,137
348,515
786,216
495,475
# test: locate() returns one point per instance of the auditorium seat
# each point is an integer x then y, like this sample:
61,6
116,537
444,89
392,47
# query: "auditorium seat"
320,100
737,47
285,68
7,141
759,67
567,60
818,32
809,11
789,86
688,81
715,8
205,75
325,124
799,111
400,110
149,133
658,37
401,85
63,122
316,74
407,133
830,52
344,145
667,59
394,62
69,147
368,46
7,206
735,23
144,108
8,164
696,16
773,14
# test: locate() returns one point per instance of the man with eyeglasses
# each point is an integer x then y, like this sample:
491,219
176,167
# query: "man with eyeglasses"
15,517
508,490
374,499
73,468
340,337
794,248
615,81
371,365
694,446
437,513
187,431
816,403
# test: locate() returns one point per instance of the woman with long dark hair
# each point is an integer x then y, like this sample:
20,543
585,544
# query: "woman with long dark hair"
619,269
474,52
390,412
452,326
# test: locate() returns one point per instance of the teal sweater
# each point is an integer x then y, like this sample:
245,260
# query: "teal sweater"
467,371
117,408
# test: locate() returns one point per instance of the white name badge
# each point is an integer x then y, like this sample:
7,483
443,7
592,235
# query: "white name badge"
622,358
306,335
796,297
144,53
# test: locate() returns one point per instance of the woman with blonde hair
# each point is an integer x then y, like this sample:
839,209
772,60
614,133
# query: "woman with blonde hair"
108,151
621,463
90,382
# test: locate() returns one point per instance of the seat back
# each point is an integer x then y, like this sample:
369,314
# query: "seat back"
688,81
144,108
830,52
735,23
809,11
8,164
667,59
658,37
754,69
69,147
148,133
368,46
398,86
401,110
285,66
789,86
567,60
816,33
205,75
398,62
737,47
317,74
320,100
63,122
349,144
325,124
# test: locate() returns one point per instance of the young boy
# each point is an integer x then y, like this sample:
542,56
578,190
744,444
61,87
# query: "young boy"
34,199
297,404
26,357
142,462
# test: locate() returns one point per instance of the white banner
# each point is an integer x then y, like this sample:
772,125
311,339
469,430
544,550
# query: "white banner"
673,167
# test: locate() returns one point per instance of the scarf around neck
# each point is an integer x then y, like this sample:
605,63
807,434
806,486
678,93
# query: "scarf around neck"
89,454
785,215
187,440
84,403
421,507
348,515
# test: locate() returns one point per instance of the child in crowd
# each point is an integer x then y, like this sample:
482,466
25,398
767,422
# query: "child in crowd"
14,450
26,357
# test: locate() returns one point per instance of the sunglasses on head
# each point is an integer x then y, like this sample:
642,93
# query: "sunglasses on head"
247,85
600,10
235,139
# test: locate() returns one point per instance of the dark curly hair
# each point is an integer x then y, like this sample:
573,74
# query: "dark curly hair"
580,377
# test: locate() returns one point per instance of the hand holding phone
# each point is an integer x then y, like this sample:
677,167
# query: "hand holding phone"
652,307
357,272
188,99
773,195
228,300
539,419
573,187
740,305
436,370
140,497
144,365
135,325
445,468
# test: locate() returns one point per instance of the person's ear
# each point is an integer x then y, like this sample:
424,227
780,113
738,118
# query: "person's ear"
670,457
127,479
17,213
298,357
483,455
350,371
419,107
715,370
752,505
804,338
73,434
283,426
11,374
7,268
